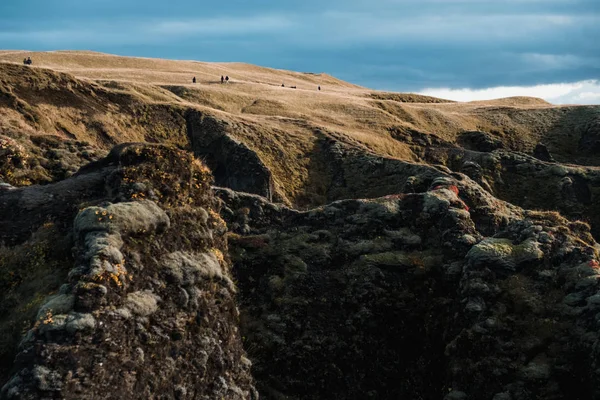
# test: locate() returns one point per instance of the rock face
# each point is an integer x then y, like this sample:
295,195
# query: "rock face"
479,141
446,293
50,159
233,164
590,137
541,153
528,182
442,291
147,309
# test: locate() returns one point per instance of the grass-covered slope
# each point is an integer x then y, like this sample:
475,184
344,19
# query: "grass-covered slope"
301,146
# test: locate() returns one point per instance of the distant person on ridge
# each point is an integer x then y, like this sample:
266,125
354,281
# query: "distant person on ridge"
319,87
194,80
222,79
227,79
29,62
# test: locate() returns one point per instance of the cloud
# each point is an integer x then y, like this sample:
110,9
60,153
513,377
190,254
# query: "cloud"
149,31
478,1
66,38
558,61
583,92
328,28
454,28
221,26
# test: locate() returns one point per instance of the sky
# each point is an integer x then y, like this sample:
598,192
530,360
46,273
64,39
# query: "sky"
456,49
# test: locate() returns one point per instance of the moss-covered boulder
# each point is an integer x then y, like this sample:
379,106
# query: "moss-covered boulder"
145,306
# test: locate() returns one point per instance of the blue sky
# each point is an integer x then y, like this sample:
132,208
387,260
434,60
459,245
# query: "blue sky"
468,48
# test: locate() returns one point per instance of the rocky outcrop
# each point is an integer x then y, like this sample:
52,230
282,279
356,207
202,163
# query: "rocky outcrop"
147,309
438,291
354,172
528,182
590,137
233,164
541,153
414,296
46,159
479,141
416,138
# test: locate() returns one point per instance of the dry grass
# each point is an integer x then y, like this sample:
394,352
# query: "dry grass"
408,98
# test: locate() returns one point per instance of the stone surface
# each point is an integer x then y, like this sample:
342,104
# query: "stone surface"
118,328
337,302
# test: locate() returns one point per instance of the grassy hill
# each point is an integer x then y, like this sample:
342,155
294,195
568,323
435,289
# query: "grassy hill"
102,100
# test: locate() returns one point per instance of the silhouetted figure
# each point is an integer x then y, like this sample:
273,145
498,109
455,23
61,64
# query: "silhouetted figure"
27,61
194,80
319,87
227,79
222,79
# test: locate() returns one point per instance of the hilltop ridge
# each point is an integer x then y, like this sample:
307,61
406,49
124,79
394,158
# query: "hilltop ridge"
93,65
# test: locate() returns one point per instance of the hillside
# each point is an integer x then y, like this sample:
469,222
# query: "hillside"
363,235
103,100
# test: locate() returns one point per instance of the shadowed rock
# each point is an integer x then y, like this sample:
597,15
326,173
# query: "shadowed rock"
479,141
233,164
119,325
541,153
405,297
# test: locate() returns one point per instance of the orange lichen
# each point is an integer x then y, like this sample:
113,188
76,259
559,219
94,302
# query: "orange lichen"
218,254
114,276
